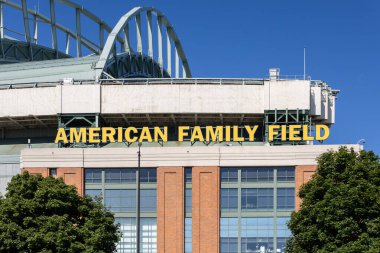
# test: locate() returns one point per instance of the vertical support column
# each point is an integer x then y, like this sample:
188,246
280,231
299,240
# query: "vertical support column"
67,43
303,175
205,210
170,210
53,27
184,75
35,37
159,42
79,34
26,27
127,44
138,33
150,37
176,63
1,22
101,36
275,211
168,51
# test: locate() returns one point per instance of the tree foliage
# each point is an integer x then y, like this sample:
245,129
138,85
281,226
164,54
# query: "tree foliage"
46,215
340,209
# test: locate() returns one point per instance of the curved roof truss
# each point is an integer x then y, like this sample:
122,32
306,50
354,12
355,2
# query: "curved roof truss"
117,46
123,27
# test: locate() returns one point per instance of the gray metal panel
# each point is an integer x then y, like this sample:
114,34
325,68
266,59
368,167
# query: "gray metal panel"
48,71
9,167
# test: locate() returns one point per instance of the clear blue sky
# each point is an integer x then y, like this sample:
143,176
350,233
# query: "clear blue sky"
245,38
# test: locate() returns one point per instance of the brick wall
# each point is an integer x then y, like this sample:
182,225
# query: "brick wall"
303,175
205,209
170,209
71,176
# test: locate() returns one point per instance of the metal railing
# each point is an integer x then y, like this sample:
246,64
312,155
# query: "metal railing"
146,81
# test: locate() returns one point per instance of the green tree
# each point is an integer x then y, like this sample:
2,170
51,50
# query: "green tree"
46,215
340,209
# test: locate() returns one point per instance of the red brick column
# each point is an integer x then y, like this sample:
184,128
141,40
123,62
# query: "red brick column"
37,171
205,210
170,210
73,176
303,175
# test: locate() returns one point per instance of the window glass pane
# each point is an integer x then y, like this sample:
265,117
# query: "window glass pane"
148,175
188,235
93,193
229,175
228,235
148,200
188,200
285,198
118,176
229,199
188,175
93,175
283,233
120,200
257,175
257,234
285,174
261,198
148,235
128,175
53,172
127,243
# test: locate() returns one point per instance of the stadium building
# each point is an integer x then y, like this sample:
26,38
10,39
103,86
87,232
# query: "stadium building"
177,196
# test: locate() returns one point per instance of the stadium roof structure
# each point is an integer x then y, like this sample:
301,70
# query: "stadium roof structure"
102,53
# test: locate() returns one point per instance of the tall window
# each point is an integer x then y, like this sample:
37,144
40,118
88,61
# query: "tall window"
119,187
188,235
255,204
283,233
127,243
257,234
148,235
228,235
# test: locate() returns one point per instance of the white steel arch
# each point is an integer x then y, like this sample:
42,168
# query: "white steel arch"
110,49
117,57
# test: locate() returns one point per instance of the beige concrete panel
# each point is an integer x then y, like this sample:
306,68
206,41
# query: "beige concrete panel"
80,98
182,99
25,102
287,94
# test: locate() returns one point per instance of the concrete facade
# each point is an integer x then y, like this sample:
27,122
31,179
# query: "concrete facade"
169,98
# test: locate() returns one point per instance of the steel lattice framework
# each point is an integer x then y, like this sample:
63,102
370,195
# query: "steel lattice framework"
117,57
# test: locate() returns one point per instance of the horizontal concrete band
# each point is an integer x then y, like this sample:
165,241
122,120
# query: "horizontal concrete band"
176,156
130,99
